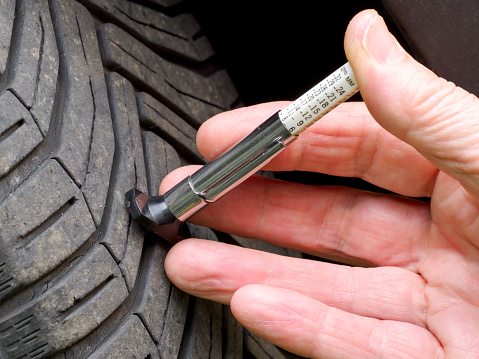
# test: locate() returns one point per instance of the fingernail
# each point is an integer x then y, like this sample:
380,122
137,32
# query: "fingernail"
380,45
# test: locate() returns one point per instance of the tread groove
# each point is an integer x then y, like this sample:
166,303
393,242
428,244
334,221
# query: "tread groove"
172,8
23,323
189,332
39,67
16,186
171,123
38,350
170,292
30,337
82,42
5,285
210,351
82,302
29,238
128,231
194,97
19,98
145,325
66,169
92,129
133,56
149,25
9,131
88,206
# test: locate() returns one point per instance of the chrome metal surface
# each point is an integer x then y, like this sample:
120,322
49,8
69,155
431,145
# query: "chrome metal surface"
217,178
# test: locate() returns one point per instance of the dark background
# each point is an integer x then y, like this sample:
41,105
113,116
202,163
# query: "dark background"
263,44
277,50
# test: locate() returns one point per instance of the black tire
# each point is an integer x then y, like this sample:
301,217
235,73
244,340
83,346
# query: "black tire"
97,98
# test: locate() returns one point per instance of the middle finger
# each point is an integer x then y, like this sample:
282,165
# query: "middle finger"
215,271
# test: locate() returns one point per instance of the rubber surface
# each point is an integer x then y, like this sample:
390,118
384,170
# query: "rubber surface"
98,98
443,35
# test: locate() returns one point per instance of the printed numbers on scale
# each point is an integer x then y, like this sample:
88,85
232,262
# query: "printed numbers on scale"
306,115
339,90
323,103
323,97
315,109
331,96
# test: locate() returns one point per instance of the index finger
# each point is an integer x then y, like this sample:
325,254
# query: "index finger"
346,142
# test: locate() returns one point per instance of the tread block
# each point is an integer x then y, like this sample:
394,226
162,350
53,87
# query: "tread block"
83,298
32,68
83,141
48,218
203,335
102,143
123,239
160,305
70,309
16,126
82,105
193,96
7,11
21,337
156,117
47,73
175,35
173,324
131,340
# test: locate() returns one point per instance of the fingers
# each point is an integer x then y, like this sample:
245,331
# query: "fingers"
309,328
216,271
332,222
347,142
437,118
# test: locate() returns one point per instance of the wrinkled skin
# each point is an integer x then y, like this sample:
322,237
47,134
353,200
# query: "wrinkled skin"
416,291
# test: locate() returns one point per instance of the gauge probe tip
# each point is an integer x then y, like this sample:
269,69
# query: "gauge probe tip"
153,214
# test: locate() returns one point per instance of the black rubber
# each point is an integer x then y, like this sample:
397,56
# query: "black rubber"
97,98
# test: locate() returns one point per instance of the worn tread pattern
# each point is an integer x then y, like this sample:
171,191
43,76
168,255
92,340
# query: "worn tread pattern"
177,35
33,61
195,97
157,118
103,96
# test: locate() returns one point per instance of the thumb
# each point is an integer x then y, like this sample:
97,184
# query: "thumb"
437,118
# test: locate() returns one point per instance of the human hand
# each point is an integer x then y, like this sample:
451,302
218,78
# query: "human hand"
418,136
